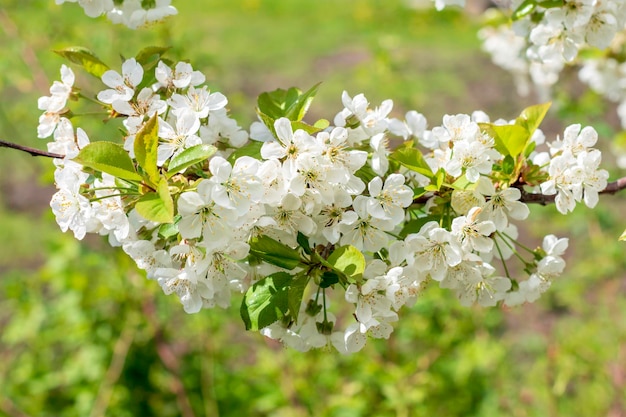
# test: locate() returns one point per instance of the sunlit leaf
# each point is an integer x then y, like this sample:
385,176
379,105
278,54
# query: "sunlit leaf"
274,252
110,158
348,260
85,58
266,301
189,157
146,144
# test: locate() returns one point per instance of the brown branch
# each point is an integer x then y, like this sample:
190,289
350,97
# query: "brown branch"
544,199
31,151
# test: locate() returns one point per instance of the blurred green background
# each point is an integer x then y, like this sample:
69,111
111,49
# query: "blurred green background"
83,333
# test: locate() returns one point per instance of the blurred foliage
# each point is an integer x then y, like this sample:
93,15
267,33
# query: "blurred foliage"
83,333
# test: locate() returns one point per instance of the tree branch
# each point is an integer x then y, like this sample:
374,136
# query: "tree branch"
544,199
31,151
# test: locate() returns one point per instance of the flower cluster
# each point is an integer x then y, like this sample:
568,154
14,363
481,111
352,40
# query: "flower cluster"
131,13
545,37
304,218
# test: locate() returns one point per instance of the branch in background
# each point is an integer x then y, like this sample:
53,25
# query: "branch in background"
31,151
611,188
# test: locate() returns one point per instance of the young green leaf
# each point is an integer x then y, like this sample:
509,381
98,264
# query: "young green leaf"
531,117
152,207
110,158
411,158
524,9
189,157
349,261
252,148
303,241
146,144
274,252
509,139
267,301
298,107
295,294
151,53
85,58
168,202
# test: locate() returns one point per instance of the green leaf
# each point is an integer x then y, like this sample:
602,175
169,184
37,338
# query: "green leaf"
298,107
85,58
348,260
524,9
151,53
273,103
531,117
252,149
189,157
167,230
146,144
509,139
157,206
291,103
321,124
268,121
329,278
412,158
306,127
110,158
266,302
366,173
414,226
303,241
295,294
274,252
623,236
462,183
165,196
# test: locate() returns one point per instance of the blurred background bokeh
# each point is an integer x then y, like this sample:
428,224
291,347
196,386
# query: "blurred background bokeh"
83,333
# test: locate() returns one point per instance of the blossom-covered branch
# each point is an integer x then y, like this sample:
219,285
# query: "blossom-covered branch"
296,215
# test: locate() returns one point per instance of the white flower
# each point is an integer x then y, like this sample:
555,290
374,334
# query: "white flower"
471,158
434,250
175,141
198,100
290,146
202,217
593,179
575,140
350,341
414,125
191,289
182,76
441,4
236,187
147,257
122,86
379,162
363,231
502,204
147,104
388,201
54,104
472,233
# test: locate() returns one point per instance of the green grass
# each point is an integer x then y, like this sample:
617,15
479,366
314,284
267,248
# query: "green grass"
80,326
